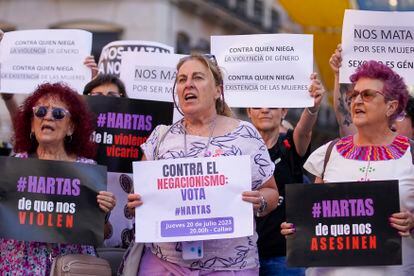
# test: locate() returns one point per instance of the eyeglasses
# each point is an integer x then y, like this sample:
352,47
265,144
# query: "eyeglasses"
401,116
58,113
271,108
367,95
108,94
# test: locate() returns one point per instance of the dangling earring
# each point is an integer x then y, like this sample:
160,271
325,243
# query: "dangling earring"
32,136
69,138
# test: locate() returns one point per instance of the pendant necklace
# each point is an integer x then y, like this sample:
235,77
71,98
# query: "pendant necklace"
212,127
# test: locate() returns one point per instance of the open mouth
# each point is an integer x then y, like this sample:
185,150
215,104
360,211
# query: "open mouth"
47,128
359,111
189,97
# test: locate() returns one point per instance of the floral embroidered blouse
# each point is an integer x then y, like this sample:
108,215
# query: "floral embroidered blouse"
350,162
224,254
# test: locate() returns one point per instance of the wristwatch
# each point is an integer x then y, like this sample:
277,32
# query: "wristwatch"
262,207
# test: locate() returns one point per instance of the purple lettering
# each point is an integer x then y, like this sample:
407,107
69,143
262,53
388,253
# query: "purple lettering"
326,207
110,119
75,187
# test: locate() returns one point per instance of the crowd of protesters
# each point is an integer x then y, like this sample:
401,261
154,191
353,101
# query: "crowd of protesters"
375,117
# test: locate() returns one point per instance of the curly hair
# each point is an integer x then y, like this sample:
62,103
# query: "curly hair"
80,116
101,79
394,85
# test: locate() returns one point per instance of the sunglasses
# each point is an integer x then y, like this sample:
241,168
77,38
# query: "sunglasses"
211,58
367,95
58,113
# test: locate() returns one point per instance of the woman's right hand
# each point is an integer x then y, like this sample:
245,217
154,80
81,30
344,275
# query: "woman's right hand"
134,200
336,59
287,228
91,64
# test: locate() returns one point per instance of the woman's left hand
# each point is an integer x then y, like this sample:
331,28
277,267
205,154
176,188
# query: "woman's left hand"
253,197
316,91
403,222
91,64
106,201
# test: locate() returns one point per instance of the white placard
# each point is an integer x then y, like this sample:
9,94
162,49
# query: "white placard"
387,37
193,199
110,59
32,57
269,70
149,76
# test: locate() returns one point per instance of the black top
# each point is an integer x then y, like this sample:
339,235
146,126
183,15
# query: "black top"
288,169
5,150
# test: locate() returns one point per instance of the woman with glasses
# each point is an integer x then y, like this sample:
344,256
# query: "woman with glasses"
52,124
105,85
207,130
374,152
108,85
403,124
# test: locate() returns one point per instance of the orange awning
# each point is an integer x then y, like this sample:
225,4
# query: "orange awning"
323,19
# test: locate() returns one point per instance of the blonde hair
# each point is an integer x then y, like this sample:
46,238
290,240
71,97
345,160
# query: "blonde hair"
210,62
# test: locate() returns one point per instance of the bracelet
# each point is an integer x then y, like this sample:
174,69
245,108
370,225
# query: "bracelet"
312,113
6,96
262,207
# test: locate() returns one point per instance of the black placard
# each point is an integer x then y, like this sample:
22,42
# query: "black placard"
122,126
51,201
343,224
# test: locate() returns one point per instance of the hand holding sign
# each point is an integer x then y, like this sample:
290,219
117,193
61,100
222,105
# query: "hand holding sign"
106,201
403,222
287,228
336,60
91,64
316,91
134,200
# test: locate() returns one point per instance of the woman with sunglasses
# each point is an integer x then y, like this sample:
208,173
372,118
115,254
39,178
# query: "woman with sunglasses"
208,130
52,124
374,152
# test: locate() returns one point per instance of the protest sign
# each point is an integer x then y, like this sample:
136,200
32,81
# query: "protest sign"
51,201
268,70
32,57
387,37
122,126
343,224
110,59
149,76
193,199
121,220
